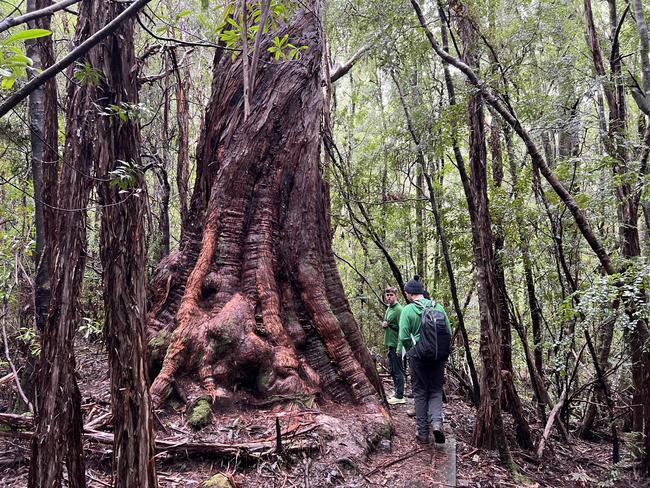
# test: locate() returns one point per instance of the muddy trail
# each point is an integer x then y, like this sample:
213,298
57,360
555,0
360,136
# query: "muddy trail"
320,446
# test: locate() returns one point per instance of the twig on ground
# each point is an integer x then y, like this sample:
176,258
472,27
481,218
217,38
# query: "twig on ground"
278,436
395,461
99,422
7,379
96,480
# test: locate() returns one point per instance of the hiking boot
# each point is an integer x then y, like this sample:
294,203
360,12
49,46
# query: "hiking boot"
438,434
410,412
423,441
393,400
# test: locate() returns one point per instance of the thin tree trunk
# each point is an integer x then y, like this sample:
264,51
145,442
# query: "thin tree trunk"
489,430
615,145
57,437
533,304
123,257
44,143
641,335
510,396
183,122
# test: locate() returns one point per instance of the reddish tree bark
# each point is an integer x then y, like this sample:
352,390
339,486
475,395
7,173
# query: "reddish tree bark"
489,429
183,121
254,297
123,254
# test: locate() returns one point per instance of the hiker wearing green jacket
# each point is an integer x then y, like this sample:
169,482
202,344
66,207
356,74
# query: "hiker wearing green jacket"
391,332
427,367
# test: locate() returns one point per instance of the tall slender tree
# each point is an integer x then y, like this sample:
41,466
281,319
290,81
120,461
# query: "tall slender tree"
57,437
116,152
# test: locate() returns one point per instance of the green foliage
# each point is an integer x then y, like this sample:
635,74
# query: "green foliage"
125,176
231,25
90,328
85,74
13,60
283,50
125,111
29,336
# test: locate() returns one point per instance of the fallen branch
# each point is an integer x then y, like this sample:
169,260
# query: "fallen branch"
16,421
35,14
99,422
7,379
395,461
549,423
253,450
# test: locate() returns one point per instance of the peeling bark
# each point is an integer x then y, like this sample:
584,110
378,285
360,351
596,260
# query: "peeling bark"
123,255
58,430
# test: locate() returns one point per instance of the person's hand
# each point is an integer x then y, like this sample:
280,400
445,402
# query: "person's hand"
384,324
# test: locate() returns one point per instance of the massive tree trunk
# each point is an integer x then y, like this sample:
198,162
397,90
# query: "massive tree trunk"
123,254
254,298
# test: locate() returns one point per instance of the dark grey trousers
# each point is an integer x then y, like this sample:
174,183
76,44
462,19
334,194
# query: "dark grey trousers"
396,372
427,378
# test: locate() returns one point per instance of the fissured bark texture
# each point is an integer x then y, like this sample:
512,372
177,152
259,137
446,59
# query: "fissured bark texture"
254,297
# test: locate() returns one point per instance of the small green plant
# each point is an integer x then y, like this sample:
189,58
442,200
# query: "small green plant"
282,49
29,336
125,176
125,111
230,30
85,74
90,328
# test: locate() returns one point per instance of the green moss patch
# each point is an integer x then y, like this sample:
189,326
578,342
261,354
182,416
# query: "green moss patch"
200,413
217,481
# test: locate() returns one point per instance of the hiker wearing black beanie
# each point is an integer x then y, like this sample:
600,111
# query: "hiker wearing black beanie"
426,359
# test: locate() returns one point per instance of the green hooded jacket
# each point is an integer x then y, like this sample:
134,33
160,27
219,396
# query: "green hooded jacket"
392,315
411,319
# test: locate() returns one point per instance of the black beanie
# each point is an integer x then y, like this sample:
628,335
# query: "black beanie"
414,287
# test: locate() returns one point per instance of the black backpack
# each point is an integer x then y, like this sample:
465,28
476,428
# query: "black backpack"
435,336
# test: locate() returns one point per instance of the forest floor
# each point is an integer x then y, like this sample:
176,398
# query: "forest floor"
322,446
